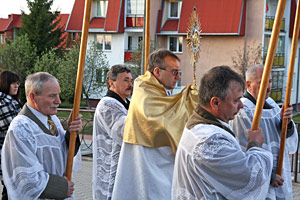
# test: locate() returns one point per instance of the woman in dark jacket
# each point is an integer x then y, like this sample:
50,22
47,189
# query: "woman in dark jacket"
10,106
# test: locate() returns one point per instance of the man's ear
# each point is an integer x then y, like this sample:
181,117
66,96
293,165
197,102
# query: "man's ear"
214,103
248,84
156,71
111,84
32,97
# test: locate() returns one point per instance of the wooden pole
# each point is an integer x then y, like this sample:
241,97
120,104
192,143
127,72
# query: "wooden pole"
268,64
288,90
78,88
147,34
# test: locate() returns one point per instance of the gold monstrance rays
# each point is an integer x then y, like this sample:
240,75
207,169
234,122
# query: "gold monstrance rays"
193,40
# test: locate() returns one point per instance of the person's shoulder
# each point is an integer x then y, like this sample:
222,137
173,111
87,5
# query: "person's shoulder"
5,99
208,131
108,103
21,120
247,103
271,101
207,140
22,127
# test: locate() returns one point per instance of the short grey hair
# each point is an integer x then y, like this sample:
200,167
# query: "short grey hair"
114,72
156,59
34,82
251,72
216,82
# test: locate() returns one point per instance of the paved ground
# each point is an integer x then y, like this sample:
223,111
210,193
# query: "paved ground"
83,181
296,190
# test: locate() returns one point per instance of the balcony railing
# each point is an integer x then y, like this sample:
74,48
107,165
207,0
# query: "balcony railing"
278,60
134,21
269,21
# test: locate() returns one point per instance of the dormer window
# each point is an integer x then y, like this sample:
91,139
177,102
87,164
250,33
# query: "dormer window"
174,9
102,8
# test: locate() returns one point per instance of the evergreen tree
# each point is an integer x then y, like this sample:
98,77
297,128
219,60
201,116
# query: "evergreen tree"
41,26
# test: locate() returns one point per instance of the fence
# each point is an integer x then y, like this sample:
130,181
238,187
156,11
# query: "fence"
86,138
87,131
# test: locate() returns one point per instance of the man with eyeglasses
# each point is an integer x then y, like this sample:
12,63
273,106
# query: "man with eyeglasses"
153,128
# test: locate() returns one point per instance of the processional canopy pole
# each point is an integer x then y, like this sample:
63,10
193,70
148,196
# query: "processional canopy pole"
289,89
78,88
147,35
193,41
268,64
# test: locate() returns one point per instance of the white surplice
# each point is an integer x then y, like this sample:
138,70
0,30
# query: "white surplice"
109,121
144,173
29,155
210,164
270,125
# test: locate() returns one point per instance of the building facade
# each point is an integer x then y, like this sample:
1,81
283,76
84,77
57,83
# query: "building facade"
227,26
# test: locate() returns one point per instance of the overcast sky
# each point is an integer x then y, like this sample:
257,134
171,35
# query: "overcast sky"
15,7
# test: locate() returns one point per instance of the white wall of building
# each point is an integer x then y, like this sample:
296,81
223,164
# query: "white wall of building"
116,55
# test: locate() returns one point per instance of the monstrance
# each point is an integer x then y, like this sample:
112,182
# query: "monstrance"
193,40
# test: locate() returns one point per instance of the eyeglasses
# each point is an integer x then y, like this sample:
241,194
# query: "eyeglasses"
175,72
16,83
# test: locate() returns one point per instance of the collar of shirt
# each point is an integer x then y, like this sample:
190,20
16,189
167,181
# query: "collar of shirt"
43,118
169,92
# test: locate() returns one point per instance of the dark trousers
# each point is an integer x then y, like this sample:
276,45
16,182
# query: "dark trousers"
4,192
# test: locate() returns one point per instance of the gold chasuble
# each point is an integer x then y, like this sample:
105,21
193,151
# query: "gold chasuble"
155,119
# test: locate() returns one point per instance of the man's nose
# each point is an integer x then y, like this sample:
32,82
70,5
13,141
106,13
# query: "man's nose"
57,100
241,105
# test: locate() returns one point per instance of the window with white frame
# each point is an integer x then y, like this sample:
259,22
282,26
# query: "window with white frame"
104,41
174,9
101,8
135,7
2,39
175,44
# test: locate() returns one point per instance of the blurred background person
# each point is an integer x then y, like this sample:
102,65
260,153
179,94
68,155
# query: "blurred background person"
10,106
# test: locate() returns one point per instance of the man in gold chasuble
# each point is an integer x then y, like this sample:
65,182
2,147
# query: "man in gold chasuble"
152,131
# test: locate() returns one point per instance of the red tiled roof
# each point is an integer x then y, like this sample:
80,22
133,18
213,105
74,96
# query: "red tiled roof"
3,24
114,20
63,20
97,22
216,16
159,17
62,24
170,25
113,15
15,20
76,17
121,20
